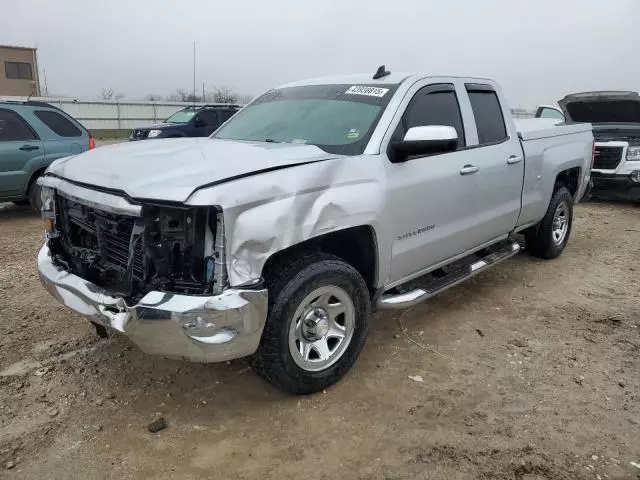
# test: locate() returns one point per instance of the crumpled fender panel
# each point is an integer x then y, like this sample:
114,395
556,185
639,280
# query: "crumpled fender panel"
270,212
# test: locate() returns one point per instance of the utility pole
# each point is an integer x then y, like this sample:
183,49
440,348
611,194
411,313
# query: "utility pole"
194,73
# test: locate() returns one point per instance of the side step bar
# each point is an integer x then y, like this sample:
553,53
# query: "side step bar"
439,284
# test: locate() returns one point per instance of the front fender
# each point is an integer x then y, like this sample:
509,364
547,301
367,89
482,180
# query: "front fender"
34,164
270,212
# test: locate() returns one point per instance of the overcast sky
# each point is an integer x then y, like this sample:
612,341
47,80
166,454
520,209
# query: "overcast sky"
539,50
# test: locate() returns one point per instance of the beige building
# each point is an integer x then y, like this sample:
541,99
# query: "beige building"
19,71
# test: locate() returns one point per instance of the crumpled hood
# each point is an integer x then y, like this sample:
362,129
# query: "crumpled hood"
172,169
602,107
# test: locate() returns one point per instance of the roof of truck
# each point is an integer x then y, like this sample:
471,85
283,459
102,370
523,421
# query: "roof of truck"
357,78
394,78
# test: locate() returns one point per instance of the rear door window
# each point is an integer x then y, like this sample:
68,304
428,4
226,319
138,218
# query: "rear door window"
13,128
488,114
58,123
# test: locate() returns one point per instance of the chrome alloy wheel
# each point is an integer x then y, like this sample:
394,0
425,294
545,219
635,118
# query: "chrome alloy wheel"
560,224
321,328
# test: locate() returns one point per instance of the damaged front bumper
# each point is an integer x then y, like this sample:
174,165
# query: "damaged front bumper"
191,327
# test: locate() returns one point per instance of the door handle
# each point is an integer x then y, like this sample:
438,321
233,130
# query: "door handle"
468,170
28,148
512,160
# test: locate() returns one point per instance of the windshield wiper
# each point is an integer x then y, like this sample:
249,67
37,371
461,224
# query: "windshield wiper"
271,140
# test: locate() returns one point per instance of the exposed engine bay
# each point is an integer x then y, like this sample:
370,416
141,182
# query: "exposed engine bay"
168,248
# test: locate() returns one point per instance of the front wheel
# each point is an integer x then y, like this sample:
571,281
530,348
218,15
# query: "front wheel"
549,238
319,314
35,198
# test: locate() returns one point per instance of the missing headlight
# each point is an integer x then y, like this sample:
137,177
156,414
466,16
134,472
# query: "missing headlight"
168,248
174,247
184,249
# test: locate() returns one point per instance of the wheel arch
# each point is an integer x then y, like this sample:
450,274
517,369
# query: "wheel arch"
357,246
34,176
570,178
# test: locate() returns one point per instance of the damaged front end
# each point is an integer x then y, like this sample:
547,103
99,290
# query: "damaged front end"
167,248
155,272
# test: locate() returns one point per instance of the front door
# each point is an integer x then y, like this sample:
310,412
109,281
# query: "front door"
431,196
206,122
18,145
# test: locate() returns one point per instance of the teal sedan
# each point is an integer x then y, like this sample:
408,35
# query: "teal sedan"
32,135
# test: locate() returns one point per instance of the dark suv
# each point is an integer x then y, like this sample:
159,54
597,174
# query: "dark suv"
196,121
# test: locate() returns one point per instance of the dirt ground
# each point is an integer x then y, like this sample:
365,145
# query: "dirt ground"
530,371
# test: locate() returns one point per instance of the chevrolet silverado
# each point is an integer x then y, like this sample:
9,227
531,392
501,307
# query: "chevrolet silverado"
320,201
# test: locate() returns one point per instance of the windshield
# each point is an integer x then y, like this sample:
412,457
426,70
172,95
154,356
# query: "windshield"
182,116
336,118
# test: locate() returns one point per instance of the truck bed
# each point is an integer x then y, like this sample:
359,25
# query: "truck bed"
536,128
548,148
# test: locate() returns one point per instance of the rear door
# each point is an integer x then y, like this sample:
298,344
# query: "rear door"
61,135
19,145
498,156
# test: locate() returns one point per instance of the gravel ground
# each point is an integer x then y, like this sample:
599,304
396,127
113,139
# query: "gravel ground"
529,371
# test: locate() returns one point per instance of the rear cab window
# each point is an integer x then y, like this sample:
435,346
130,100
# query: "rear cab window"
56,122
488,115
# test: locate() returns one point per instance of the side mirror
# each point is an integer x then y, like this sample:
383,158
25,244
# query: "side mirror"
198,122
424,141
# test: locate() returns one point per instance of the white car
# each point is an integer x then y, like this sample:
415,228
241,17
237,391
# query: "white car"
615,117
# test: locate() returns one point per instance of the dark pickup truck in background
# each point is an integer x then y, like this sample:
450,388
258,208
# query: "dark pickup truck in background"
615,117
193,121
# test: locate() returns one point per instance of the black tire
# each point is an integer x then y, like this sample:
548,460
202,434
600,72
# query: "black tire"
540,238
289,283
34,195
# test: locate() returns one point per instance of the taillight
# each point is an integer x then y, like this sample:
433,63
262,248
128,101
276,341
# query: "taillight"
92,143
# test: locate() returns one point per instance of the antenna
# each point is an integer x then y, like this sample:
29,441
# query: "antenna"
194,73
381,72
46,87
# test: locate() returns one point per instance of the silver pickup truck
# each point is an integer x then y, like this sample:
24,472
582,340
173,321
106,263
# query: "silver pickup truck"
320,201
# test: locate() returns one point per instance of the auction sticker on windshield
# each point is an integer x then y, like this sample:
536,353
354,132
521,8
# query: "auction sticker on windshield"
369,91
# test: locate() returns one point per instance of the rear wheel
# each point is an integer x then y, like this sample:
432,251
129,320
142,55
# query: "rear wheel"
549,238
319,314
